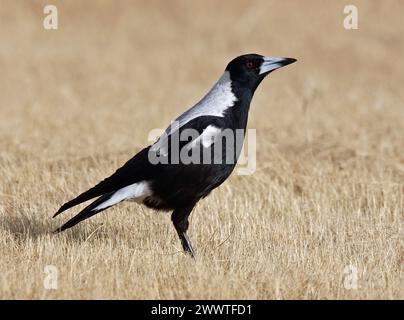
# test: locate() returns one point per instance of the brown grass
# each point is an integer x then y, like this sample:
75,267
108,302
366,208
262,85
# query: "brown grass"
328,191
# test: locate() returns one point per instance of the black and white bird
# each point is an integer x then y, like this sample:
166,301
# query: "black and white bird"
175,172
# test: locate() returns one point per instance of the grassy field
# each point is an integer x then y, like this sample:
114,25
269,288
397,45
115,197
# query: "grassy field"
324,208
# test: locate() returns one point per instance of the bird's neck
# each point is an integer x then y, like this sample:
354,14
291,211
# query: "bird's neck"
239,112
228,99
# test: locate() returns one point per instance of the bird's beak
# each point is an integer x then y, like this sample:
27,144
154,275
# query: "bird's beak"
272,63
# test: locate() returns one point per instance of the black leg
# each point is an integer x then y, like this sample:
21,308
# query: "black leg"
186,244
180,221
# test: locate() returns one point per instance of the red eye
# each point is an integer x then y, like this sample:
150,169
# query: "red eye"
249,65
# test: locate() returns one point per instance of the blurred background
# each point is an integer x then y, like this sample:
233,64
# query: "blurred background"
78,101
113,61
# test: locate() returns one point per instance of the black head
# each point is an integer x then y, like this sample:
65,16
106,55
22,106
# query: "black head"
250,69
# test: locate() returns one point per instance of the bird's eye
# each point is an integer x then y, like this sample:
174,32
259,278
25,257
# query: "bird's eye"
249,65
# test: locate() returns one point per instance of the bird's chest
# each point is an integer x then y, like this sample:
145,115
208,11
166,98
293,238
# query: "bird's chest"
188,183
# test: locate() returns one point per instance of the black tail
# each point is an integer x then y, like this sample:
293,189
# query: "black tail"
136,169
86,213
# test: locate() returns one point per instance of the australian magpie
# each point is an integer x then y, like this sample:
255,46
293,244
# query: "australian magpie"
175,172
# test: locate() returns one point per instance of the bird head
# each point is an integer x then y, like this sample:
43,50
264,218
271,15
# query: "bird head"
250,69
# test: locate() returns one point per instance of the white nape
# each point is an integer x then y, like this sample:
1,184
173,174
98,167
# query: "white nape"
214,103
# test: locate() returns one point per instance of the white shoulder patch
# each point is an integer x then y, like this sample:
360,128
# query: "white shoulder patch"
135,192
207,137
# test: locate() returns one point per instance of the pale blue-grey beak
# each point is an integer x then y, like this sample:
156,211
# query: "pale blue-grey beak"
273,63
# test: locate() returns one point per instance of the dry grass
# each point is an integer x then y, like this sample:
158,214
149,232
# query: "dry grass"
328,191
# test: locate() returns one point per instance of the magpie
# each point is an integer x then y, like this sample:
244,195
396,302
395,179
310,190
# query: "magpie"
192,157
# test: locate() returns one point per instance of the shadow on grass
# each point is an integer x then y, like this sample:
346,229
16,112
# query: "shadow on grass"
22,228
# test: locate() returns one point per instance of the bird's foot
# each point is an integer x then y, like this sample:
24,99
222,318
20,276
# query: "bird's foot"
186,244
